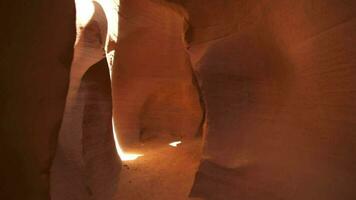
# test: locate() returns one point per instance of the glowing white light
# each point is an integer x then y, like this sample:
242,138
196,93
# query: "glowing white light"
175,144
123,155
111,9
85,10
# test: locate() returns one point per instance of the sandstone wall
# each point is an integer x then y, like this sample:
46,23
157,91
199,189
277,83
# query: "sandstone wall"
87,165
37,40
278,79
153,87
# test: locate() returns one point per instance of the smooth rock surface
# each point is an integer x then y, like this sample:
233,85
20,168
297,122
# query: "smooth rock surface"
153,87
278,79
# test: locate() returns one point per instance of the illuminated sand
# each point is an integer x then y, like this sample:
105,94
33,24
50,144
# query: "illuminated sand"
163,172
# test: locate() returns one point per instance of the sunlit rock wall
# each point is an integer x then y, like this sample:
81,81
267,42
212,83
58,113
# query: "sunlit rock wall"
37,40
87,165
278,79
153,89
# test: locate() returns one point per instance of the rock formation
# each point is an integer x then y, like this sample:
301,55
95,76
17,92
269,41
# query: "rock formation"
86,165
154,94
36,52
278,79
272,81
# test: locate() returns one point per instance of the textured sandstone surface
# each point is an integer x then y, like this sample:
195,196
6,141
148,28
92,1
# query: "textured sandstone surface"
277,84
86,165
278,80
153,87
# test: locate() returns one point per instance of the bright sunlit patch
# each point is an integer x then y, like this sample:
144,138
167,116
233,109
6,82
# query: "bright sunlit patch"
111,9
123,155
175,144
85,10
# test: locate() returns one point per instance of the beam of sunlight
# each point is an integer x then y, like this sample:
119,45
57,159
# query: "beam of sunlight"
175,143
111,9
125,156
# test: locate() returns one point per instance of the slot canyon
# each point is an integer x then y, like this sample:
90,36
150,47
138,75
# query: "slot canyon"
178,100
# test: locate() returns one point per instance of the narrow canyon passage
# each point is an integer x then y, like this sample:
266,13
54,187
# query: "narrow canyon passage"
153,108
178,100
